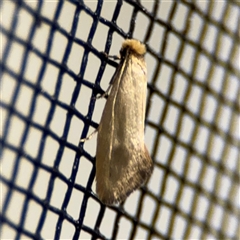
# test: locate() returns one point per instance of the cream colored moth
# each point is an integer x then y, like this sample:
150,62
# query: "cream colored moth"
123,163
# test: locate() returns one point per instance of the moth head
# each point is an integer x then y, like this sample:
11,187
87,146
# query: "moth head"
133,46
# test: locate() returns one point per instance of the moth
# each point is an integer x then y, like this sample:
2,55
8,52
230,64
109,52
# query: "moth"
123,163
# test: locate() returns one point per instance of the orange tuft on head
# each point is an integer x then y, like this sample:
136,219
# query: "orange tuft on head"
135,45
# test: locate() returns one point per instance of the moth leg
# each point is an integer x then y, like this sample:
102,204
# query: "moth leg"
105,95
88,137
114,57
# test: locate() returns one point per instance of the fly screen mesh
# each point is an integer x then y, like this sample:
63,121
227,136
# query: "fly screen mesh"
52,69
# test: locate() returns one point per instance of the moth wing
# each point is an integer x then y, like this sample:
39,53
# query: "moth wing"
122,161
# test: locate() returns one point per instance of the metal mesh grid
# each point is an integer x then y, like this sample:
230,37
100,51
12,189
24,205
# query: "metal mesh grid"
193,198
